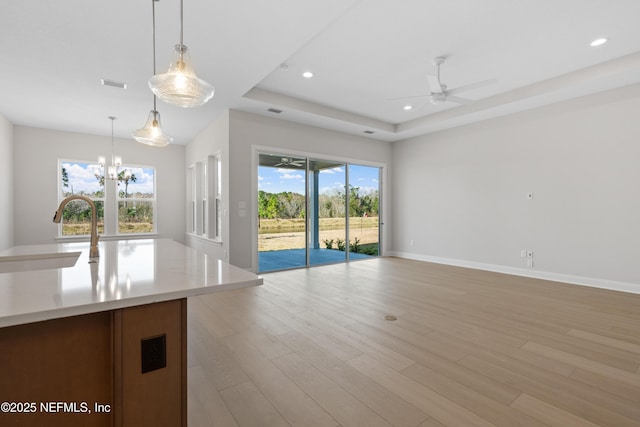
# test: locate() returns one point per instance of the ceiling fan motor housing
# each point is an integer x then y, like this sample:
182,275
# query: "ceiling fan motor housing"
438,98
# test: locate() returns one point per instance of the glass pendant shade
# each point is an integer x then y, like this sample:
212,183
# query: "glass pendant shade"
151,133
180,86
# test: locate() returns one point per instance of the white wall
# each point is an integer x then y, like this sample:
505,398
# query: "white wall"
461,194
36,160
6,184
214,139
247,130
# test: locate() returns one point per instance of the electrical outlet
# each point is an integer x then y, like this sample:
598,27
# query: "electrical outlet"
530,263
529,254
154,353
529,196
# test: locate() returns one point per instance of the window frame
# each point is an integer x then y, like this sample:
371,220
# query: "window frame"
204,204
153,200
110,202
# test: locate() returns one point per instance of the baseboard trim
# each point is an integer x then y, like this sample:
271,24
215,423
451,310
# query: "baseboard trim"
613,285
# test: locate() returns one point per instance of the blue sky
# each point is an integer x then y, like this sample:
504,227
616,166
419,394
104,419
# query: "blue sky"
276,180
82,178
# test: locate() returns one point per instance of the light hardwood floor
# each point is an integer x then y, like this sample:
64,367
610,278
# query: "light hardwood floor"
311,347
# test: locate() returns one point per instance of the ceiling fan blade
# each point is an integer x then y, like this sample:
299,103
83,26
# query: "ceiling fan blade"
458,100
408,97
434,84
472,86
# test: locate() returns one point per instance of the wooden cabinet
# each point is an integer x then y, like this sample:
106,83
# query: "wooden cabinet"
87,370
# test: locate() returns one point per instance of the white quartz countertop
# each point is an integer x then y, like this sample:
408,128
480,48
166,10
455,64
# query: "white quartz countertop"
127,273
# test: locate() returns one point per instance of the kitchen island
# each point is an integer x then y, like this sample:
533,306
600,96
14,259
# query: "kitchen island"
101,341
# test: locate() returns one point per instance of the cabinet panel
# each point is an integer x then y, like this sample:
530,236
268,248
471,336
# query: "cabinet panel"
157,397
63,366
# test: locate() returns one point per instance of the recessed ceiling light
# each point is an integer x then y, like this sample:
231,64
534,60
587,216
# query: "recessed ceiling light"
307,74
408,107
599,42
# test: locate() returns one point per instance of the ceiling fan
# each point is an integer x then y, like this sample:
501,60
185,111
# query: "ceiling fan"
438,92
289,161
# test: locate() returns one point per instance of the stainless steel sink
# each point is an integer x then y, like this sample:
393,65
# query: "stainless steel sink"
41,261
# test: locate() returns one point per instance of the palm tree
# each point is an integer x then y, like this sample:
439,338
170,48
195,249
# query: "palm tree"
126,177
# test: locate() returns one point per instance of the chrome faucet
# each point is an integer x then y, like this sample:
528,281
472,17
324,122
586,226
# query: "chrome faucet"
57,217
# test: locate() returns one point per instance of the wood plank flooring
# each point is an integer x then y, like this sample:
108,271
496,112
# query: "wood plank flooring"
311,347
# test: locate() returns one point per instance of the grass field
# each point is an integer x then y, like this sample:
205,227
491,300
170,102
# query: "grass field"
268,226
85,228
281,234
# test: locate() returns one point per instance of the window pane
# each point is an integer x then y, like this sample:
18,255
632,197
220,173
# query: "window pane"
135,217
76,218
218,219
136,183
82,178
85,179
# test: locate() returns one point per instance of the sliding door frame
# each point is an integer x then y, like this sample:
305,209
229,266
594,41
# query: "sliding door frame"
256,150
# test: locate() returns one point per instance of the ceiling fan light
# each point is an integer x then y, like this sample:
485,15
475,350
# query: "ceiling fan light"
152,133
179,85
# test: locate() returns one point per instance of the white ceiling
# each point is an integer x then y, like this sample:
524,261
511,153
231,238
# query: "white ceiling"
363,53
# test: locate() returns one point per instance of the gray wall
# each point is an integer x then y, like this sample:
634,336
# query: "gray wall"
6,184
246,130
36,193
461,195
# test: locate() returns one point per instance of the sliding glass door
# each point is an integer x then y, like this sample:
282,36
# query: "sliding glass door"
281,212
327,212
364,208
315,211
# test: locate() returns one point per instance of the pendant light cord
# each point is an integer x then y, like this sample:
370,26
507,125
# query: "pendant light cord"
181,24
153,27
112,157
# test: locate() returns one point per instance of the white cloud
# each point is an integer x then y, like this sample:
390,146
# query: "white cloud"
367,190
332,170
291,176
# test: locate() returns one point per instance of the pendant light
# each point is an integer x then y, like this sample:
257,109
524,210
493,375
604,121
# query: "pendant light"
180,86
151,133
111,171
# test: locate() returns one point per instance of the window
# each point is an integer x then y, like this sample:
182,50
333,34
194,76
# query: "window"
125,206
78,178
213,180
204,208
136,200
